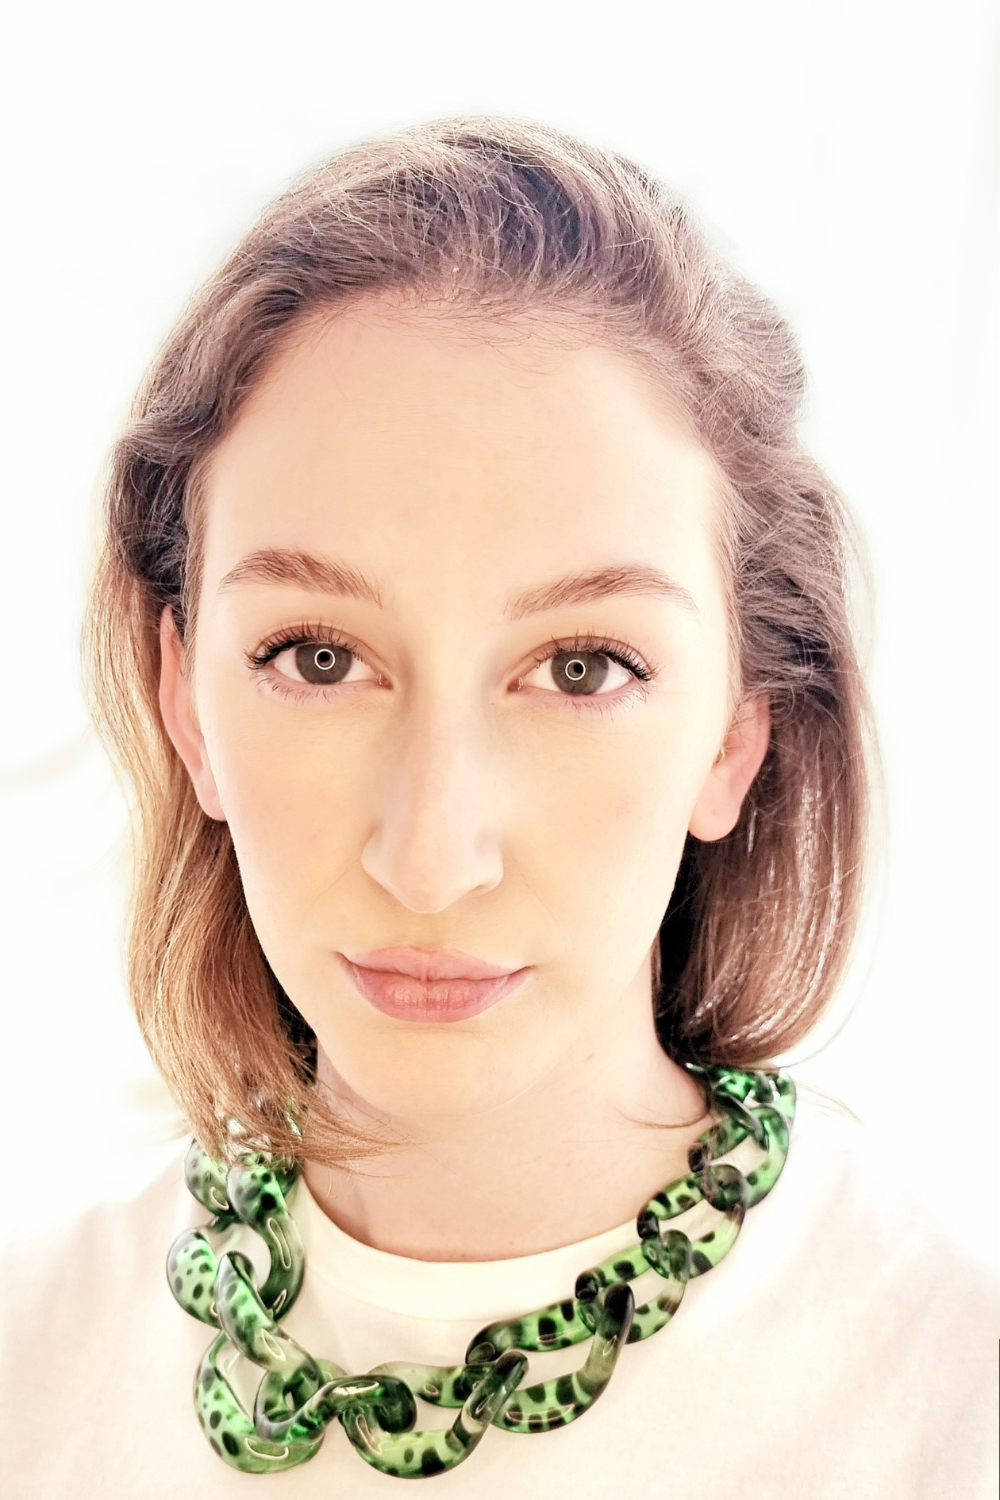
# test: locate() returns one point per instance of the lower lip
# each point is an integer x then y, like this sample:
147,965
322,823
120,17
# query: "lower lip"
408,999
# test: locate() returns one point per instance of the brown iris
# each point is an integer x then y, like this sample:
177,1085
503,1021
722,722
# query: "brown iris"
323,664
579,671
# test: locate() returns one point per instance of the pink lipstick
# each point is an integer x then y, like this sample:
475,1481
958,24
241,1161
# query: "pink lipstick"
420,984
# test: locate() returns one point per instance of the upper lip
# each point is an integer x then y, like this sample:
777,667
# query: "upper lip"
430,964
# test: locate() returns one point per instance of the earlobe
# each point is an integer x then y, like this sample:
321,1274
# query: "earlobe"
179,718
717,810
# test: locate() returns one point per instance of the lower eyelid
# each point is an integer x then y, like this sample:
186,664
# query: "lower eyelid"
599,703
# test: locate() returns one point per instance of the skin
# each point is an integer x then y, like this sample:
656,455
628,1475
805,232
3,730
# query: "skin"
446,794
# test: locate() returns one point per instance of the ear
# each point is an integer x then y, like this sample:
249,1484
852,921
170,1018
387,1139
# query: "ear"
717,810
179,718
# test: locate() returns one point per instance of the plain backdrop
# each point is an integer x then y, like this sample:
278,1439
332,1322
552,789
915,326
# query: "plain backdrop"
840,152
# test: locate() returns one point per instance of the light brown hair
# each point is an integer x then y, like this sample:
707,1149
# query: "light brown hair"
495,219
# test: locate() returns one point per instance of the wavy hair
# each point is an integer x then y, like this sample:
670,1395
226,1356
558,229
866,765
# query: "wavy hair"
494,219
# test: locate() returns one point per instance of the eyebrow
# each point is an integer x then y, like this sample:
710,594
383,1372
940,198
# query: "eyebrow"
323,575
320,575
580,588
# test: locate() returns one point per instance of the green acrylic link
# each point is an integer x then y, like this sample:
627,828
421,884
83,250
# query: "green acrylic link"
251,1192
253,1328
230,1428
554,1403
192,1269
256,1193
206,1181
419,1455
388,1400
299,1396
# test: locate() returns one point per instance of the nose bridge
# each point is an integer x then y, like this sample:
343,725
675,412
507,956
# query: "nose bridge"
436,838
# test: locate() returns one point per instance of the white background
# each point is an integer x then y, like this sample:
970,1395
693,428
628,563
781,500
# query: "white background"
839,151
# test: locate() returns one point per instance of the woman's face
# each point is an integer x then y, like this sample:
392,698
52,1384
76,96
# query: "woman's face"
460,682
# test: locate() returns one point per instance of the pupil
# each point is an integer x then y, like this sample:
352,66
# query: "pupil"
323,664
579,671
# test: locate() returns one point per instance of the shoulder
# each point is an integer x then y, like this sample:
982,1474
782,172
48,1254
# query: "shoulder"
879,1295
867,1195
94,1263
848,1336
856,1217
85,1308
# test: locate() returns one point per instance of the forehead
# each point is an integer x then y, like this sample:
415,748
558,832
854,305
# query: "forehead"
404,443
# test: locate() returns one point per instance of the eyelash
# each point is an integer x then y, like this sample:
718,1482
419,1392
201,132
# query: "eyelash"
296,635
615,651
304,634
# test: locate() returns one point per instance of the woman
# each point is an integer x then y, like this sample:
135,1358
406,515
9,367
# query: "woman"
472,627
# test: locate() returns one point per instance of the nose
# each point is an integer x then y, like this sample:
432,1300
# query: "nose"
437,839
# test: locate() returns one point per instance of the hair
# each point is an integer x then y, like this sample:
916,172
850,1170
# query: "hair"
494,219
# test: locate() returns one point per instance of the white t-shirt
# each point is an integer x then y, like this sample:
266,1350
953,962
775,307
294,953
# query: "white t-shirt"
844,1350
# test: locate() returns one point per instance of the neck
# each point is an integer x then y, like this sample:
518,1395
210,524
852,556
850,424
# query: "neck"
577,1153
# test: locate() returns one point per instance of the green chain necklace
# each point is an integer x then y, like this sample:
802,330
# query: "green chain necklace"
299,1396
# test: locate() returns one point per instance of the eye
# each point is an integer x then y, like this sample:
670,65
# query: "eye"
582,673
320,663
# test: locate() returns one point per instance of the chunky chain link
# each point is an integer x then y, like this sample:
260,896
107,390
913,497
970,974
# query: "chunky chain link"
299,1396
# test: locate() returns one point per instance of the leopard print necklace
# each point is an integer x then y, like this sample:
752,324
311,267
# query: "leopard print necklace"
299,1396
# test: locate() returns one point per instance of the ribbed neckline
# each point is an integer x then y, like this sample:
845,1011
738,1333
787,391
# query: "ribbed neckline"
458,1290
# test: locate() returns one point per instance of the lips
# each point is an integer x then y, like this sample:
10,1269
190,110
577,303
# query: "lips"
417,984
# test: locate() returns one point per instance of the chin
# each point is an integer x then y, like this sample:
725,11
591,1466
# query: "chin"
439,1073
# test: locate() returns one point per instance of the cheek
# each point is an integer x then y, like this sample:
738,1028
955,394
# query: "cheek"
297,804
605,832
